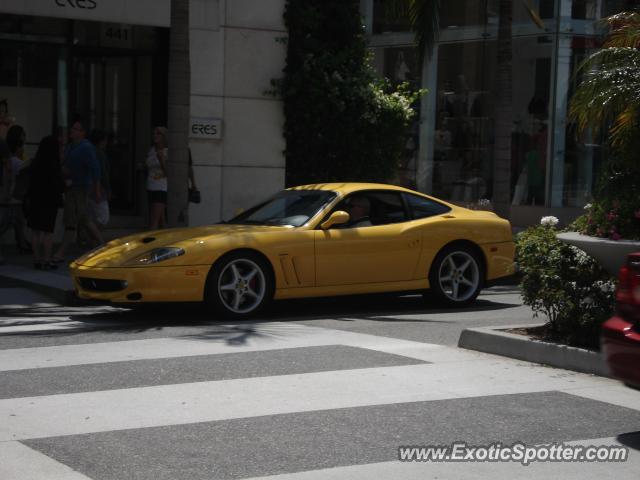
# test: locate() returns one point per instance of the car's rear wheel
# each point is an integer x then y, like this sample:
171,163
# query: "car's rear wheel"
456,276
240,285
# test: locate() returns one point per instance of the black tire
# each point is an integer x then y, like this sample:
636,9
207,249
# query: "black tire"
239,292
456,276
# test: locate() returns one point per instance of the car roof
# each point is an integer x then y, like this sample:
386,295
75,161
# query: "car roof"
345,188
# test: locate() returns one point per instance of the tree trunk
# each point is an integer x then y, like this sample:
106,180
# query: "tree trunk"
178,114
504,112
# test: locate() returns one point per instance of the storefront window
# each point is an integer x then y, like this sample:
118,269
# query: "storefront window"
28,81
402,65
464,137
530,138
612,7
388,19
112,75
584,154
551,166
468,13
465,121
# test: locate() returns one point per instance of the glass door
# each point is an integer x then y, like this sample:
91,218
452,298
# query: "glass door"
103,95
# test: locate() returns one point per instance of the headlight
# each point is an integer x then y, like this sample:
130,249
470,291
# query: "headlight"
156,255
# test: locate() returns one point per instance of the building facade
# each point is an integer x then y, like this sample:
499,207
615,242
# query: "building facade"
553,172
107,61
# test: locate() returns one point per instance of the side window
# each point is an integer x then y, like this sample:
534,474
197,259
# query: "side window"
422,207
372,208
386,208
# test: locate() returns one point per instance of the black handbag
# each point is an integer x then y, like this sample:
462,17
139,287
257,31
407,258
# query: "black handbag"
194,195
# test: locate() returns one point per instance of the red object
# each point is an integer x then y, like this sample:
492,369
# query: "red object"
620,336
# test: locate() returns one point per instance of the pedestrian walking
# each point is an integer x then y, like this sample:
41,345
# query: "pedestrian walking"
156,166
43,199
6,120
5,183
15,188
82,175
99,207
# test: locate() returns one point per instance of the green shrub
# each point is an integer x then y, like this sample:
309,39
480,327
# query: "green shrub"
342,123
564,284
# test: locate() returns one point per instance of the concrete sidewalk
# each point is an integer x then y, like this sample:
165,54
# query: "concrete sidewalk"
19,269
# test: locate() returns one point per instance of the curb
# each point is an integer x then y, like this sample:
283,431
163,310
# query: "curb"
57,294
57,286
499,342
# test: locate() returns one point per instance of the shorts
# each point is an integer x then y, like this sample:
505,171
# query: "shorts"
76,211
157,196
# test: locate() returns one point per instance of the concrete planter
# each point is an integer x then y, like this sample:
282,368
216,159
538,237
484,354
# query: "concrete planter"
611,254
498,341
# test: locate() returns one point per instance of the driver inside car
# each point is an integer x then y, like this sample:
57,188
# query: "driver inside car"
358,208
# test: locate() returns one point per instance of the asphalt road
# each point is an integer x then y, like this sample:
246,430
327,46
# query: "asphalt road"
323,388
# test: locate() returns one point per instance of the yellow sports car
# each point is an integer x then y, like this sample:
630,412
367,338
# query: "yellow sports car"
308,241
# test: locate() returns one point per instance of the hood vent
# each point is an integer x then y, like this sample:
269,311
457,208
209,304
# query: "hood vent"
148,239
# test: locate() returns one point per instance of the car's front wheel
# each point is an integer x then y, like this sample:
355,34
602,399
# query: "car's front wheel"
239,285
456,276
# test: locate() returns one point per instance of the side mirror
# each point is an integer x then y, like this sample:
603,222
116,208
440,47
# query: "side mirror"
336,218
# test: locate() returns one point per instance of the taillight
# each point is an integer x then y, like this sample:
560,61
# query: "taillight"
628,293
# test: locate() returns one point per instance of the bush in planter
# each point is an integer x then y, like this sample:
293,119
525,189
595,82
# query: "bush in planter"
563,283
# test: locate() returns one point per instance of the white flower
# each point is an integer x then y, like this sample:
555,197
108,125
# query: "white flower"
606,287
581,257
588,206
549,221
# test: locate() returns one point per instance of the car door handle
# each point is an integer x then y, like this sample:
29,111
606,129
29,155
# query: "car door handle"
414,243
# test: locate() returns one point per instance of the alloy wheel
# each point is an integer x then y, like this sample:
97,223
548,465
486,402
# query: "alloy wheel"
459,276
242,286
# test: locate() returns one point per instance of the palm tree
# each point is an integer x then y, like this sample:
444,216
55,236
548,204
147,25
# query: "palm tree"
424,16
609,94
178,114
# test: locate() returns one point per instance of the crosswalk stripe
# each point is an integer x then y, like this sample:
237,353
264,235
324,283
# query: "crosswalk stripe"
478,470
452,374
20,462
42,327
71,414
230,340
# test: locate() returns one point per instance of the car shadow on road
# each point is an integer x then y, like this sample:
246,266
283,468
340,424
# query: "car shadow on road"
378,308
86,319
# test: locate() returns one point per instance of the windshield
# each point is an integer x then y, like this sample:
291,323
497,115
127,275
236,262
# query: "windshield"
288,208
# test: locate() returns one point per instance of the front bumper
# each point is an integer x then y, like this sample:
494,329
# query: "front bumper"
140,284
620,342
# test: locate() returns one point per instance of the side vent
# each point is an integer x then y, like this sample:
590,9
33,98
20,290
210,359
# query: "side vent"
289,270
148,239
